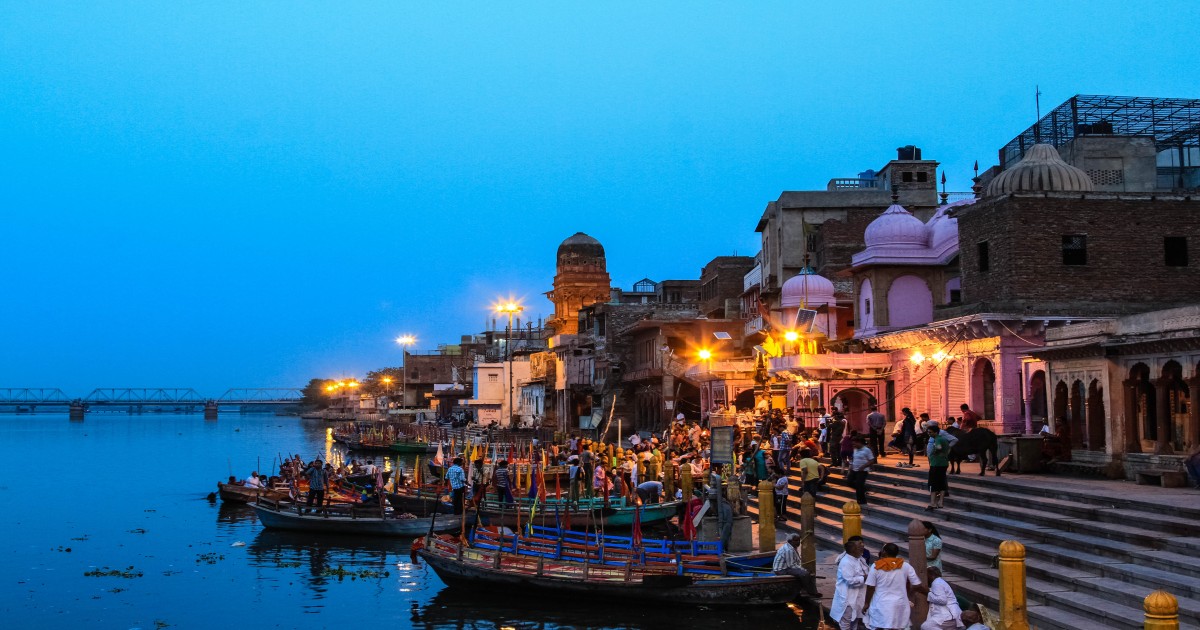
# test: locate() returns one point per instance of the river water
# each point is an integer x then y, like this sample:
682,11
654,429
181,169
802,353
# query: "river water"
128,494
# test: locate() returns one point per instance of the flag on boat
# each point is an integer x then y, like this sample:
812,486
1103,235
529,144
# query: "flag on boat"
637,526
438,459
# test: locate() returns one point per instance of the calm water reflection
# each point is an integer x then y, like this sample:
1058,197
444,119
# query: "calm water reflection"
128,493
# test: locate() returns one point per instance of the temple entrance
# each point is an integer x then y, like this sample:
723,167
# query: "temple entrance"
1096,430
1061,410
856,404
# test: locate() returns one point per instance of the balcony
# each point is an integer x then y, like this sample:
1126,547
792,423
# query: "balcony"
754,325
832,361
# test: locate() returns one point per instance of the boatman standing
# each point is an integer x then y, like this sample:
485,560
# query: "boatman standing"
457,478
316,482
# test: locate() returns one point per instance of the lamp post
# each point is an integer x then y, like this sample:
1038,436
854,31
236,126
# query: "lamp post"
387,391
705,355
405,341
509,308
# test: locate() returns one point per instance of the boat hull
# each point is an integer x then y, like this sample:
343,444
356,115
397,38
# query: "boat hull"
414,448
681,591
233,493
362,526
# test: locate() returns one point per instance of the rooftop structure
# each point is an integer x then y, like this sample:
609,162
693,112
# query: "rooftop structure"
1173,124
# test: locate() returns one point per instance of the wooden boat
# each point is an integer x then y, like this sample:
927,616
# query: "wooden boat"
372,521
234,493
419,501
581,514
561,567
413,447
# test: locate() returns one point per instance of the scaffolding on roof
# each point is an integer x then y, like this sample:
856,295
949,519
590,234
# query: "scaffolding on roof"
1174,123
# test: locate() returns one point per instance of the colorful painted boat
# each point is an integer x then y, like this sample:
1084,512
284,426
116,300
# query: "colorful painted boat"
580,514
558,567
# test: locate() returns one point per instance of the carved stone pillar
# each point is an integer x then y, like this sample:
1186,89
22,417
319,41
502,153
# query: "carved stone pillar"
1133,441
1162,409
1191,435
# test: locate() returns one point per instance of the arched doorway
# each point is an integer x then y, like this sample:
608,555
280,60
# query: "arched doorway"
744,399
1060,407
983,390
1144,413
856,404
1096,430
1177,404
1037,397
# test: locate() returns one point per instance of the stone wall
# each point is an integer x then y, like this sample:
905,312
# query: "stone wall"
1125,272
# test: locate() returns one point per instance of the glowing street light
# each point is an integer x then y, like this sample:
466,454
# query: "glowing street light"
791,335
704,354
509,308
404,341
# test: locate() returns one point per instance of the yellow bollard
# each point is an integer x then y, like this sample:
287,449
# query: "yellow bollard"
851,520
1012,586
808,526
685,481
1162,611
766,516
669,479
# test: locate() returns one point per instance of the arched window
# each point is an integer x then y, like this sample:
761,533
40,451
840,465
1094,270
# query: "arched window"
1037,396
1178,401
1097,431
1145,415
866,318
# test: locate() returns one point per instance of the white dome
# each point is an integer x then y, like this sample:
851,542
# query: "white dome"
896,227
807,288
942,228
1041,170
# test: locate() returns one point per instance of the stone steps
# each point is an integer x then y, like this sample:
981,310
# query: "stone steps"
1090,558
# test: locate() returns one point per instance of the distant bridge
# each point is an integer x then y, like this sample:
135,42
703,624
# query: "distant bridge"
138,398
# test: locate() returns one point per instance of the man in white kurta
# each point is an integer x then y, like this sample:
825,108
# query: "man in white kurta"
944,611
888,606
851,590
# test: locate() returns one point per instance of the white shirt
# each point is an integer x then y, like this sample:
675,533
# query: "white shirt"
786,558
943,606
889,605
861,459
850,591
253,482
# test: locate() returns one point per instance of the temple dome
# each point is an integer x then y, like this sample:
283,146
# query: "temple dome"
896,227
1041,170
580,245
807,288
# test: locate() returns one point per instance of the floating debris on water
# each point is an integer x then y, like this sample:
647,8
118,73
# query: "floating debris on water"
238,544
127,572
209,558
137,531
342,574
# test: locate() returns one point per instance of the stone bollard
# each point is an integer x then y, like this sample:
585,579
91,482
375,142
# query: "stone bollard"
210,410
1012,586
1162,611
916,558
808,526
669,479
851,520
685,481
76,411
766,516
733,493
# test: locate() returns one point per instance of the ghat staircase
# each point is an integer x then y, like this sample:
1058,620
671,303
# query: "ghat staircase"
1091,557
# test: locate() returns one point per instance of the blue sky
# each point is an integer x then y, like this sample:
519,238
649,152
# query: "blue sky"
214,195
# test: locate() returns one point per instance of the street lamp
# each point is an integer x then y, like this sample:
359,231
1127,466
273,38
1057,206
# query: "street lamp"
509,308
387,390
405,341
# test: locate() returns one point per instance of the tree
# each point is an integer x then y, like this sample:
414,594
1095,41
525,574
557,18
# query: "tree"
315,395
374,384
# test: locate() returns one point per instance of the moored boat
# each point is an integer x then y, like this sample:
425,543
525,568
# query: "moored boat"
413,447
563,568
373,521
579,514
235,493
